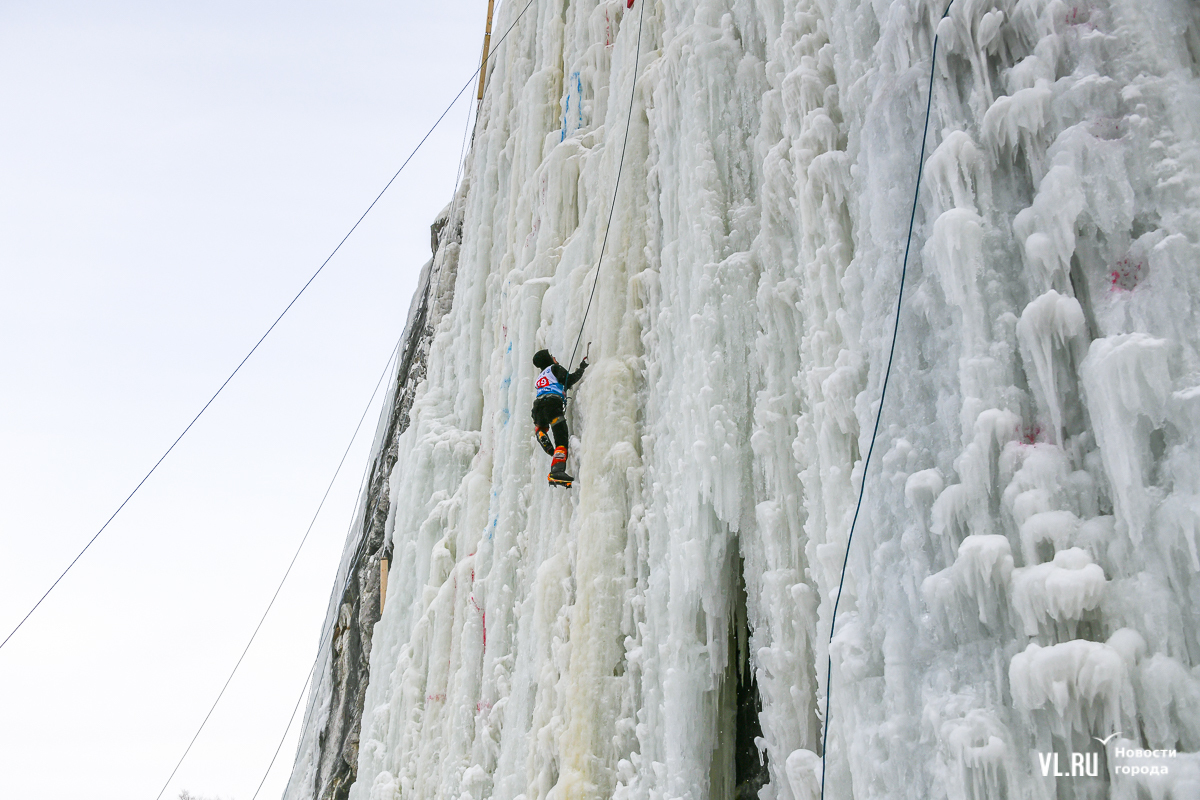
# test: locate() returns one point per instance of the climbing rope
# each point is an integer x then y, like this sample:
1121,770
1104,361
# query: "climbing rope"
878,414
617,185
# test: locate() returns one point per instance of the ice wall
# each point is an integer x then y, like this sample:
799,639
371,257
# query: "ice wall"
1024,576
326,761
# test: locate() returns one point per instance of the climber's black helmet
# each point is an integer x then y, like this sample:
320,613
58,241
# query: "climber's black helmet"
542,359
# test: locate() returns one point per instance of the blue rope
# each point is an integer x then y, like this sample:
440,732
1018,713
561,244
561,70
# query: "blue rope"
878,414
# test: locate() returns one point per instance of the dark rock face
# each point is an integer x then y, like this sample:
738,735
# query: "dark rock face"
327,758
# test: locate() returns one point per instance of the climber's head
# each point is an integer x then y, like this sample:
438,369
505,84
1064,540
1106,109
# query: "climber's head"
542,359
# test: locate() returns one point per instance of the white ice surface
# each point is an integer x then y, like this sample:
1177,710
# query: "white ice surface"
1024,573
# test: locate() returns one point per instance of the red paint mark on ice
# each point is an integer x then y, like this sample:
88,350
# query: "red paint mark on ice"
1080,16
482,617
1127,274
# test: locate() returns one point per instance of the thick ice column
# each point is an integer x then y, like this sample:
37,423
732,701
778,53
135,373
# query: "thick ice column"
1023,575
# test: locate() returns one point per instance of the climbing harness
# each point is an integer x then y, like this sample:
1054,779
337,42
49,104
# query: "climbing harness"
879,413
616,185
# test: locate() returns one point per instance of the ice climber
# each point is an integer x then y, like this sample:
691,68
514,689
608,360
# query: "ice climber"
550,394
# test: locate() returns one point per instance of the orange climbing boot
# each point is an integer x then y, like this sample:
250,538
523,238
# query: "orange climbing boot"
558,469
544,440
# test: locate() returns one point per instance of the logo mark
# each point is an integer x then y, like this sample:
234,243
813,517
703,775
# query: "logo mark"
1104,742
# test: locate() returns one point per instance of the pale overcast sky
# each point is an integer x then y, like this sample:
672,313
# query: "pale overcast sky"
170,175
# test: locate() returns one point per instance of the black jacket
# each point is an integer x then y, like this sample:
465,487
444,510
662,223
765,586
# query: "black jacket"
568,380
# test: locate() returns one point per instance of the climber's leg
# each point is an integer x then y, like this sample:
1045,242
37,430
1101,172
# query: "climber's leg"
542,414
558,466
561,436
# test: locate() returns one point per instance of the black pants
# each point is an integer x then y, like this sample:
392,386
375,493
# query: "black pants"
548,414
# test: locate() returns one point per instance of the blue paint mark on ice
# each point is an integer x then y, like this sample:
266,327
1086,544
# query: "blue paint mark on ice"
574,121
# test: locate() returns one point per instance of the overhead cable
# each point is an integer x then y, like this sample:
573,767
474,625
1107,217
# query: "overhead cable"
246,358
286,572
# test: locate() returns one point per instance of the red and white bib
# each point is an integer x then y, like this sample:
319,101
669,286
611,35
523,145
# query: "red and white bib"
547,385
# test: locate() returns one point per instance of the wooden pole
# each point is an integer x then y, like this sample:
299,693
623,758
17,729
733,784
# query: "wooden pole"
383,572
487,40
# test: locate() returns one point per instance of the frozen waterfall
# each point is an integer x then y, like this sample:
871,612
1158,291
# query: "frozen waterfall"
1023,588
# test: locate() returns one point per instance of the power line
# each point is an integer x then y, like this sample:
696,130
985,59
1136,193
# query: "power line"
878,414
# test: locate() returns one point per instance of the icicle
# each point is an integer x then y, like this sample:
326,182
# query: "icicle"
1048,227
1127,382
957,172
1083,686
1062,589
983,565
1052,325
